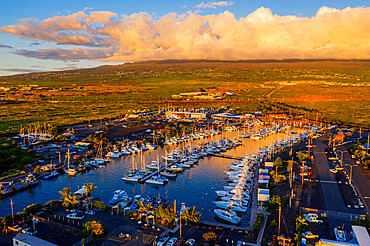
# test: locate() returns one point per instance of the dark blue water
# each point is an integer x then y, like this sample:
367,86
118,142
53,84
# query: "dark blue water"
195,186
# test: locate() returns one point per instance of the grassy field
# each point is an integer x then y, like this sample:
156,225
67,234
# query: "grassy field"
334,90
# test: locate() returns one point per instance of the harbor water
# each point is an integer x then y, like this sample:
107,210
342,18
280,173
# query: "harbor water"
195,186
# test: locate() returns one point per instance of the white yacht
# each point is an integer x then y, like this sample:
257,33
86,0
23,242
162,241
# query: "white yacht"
132,177
229,216
233,205
114,154
156,180
169,174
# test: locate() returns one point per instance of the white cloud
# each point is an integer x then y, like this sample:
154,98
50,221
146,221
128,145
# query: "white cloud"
213,5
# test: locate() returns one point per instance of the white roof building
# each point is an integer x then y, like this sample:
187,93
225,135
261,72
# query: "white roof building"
28,240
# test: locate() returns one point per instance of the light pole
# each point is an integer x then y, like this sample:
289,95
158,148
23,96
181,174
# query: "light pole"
350,174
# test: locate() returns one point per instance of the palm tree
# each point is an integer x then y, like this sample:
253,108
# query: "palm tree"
165,214
89,189
278,163
71,201
65,192
191,215
300,223
302,156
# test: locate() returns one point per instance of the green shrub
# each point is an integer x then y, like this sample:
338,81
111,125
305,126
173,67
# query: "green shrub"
259,222
33,208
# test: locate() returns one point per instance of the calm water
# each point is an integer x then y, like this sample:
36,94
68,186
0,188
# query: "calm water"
195,186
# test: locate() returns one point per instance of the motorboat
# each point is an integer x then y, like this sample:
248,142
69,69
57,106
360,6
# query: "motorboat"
132,177
169,174
175,168
114,154
156,180
227,215
340,234
53,174
151,146
231,205
153,165
118,196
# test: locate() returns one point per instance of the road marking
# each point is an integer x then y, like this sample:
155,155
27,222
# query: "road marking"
330,182
116,239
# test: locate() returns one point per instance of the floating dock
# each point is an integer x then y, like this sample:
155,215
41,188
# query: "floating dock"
227,156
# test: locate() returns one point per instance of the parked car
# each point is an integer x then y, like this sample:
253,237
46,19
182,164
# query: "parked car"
180,242
162,241
190,242
312,218
124,235
16,228
172,241
75,216
22,224
309,234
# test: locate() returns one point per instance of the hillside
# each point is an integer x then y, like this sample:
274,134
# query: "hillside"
330,89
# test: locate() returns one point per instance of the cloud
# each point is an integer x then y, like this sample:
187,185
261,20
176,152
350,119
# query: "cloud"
74,54
213,5
21,70
330,34
5,46
74,29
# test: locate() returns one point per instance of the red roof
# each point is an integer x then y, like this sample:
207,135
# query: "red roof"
339,136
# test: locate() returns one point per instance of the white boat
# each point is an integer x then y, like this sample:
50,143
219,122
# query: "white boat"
156,180
53,174
151,146
69,170
229,216
169,174
118,195
132,177
340,234
114,154
153,165
175,168
183,165
232,205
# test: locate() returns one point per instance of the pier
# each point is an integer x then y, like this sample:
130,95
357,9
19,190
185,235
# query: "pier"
142,180
227,156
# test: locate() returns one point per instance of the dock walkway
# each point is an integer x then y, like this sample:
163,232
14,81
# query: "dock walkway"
227,156
142,180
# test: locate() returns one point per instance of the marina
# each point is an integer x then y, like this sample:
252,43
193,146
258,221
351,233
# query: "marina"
206,173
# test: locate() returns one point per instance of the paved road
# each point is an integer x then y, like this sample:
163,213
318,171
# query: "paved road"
333,198
359,179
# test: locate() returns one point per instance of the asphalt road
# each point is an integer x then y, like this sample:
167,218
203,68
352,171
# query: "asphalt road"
359,179
332,196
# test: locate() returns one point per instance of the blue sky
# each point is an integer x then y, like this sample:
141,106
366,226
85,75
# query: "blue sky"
12,12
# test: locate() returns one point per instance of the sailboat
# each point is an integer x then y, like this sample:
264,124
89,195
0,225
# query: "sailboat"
157,179
69,170
167,173
134,175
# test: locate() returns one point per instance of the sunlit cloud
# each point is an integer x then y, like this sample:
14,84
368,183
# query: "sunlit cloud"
74,54
101,35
